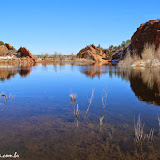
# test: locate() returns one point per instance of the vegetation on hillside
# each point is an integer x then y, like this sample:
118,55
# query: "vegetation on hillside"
150,57
1,43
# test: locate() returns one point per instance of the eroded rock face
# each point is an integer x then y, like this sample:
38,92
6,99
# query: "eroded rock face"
92,52
148,32
8,46
26,53
3,49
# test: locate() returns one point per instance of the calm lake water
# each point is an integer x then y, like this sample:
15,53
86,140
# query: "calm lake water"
38,120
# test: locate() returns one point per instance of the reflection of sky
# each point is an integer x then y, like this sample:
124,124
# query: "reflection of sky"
46,87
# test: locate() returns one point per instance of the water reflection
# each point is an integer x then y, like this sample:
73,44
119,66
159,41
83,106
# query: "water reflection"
51,126
93,71
7,72
145,83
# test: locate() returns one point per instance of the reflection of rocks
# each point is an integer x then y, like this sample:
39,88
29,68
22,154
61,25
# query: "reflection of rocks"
9,72
145,83
146,86
92,71
25,72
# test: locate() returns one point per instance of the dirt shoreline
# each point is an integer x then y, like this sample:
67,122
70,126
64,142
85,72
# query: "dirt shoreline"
25,62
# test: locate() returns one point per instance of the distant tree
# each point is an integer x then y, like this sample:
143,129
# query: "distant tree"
45,56
80,55
119,47
111,47
99,46
115,48
123,44
72,56
127,42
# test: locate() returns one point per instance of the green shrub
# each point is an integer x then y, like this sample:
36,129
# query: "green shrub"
1,43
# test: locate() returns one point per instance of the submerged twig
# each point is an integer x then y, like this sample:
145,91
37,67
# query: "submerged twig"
101,120
77,114
150,135
5,98
77,111
104,99
11,97
158,120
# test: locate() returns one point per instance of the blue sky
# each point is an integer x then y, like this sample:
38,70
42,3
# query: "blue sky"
66,26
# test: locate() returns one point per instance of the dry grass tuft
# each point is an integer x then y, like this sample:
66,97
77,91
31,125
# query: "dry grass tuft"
138,128
73,95
149,136
150,56
128,60
148,52
90,101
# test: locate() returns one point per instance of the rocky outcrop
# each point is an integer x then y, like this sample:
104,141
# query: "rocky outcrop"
26,53
93,52
119,55
22,57
8,46
3,49
148,32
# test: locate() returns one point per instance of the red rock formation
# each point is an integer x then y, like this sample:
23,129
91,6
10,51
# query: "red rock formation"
92,52
26,53
148,32
3,49
8,46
